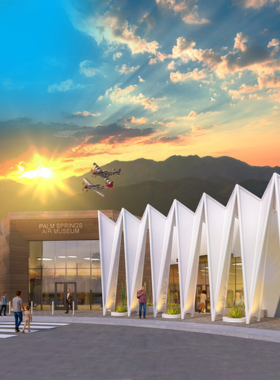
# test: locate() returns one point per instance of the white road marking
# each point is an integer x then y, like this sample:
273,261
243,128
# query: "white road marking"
39,323
8,330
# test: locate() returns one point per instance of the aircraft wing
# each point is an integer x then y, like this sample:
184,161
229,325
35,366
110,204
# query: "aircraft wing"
88,182
96,167
99,192
107,179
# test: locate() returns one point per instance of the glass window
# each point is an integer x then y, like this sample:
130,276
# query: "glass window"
35,254
60,254
61,262
48,288
235,293
71,254
83,253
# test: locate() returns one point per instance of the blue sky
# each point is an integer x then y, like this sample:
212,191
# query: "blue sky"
126,79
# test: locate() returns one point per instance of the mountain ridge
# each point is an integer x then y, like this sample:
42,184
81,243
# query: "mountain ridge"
145,181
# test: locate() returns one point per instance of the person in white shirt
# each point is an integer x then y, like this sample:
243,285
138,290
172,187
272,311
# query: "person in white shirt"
202,301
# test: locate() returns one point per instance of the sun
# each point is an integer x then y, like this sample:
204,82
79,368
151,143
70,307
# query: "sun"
40,172
43,174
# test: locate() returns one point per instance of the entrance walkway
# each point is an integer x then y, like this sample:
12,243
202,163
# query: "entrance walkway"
267,330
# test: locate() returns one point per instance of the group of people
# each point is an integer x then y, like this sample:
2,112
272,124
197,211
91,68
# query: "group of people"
18,308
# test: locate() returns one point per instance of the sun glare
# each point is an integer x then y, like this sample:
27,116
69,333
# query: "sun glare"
44,175
40,172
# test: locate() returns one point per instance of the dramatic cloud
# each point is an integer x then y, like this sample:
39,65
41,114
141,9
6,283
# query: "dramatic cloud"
113,28
63,86
134,120
240,41
118,95
185,50
193,75
126,69
87,69
192,114
141,79
152,61
117,55
186,9
264,82
86,114
274,42
256,4
52,136
171,65
111,134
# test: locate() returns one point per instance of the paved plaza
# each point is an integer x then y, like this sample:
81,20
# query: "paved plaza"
91,347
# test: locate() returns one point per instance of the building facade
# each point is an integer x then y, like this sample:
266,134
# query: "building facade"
232,252
44,253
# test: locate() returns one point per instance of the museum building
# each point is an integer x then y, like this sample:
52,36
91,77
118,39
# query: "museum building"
231,252
44,253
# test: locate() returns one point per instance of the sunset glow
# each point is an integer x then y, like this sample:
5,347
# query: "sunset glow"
105,84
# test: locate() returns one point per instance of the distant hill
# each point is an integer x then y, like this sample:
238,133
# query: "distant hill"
179,167
159,194
146,181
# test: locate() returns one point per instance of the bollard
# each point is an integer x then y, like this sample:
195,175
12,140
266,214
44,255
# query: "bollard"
52,307
10,306
73,307
31,307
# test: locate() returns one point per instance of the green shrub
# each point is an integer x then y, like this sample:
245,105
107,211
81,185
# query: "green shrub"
236,312
150,304
121,309
174,309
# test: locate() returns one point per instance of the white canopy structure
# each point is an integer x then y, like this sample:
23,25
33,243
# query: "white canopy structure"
247,225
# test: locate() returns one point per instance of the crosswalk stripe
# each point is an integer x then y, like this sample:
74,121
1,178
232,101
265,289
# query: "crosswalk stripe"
7,328
34,326
39,323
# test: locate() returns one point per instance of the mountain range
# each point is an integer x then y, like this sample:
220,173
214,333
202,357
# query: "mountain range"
145,182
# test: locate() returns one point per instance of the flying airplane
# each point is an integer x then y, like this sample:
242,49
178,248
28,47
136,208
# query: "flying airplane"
87,185
105,174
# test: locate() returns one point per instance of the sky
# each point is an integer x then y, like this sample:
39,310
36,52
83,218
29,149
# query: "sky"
85,81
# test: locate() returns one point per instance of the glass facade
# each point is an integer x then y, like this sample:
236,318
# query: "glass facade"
203,283
55,266
235,292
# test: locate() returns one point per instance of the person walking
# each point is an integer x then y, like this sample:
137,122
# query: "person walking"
69,300
27,318
141,295
202,301
17,308
3,304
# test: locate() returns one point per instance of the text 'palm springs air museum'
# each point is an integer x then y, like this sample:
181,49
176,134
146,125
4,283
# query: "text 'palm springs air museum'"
232,252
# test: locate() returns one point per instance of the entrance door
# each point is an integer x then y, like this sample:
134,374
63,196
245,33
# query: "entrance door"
199,289
61,293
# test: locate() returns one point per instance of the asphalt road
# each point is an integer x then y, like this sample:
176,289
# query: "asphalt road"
81,351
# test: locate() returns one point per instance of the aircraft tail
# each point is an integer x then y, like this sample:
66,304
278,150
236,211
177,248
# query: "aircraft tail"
109,185
119,172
